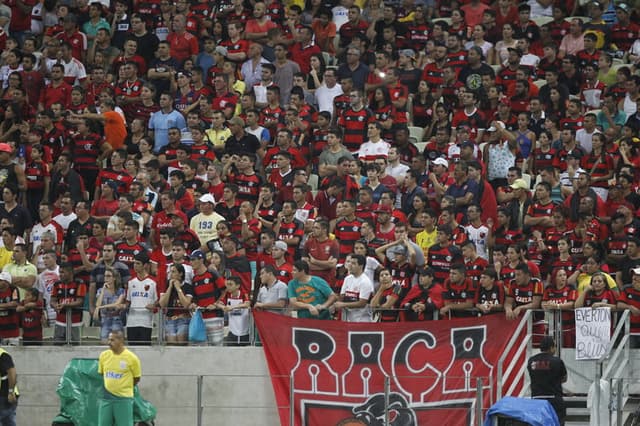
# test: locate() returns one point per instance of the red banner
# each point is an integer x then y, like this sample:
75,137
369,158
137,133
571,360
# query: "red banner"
337,370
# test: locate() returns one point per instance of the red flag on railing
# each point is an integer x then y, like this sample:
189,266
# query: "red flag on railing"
335,372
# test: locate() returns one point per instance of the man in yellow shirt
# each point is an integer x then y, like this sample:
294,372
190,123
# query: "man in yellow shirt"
120,369
427,237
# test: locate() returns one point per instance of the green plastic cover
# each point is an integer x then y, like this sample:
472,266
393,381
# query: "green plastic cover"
80,389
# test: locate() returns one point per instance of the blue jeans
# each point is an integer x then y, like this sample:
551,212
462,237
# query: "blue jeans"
109,324
7,414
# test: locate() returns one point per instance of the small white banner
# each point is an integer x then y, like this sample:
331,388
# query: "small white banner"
593,332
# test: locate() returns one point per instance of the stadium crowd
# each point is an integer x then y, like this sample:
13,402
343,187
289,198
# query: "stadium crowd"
358,160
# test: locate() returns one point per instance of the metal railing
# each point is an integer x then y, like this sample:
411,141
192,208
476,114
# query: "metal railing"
612,367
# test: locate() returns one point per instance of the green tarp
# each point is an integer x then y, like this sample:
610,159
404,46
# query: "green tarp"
80,389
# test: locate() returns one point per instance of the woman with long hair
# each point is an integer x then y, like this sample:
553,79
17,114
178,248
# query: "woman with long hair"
442,118
564,260
501,51
561,296
110,303
176,300
13,126
420,204
600,165
383,110
422,106
145,148
596,294
386,298
316,72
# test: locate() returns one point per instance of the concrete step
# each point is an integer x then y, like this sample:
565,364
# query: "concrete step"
577,411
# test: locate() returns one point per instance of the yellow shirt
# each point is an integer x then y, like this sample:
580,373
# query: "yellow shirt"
218,137
584,279
5,256
21,271
119,371
426,239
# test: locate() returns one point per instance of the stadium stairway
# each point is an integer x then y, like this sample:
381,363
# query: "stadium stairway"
577,411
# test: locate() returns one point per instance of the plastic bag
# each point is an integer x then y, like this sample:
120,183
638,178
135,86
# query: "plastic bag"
197,329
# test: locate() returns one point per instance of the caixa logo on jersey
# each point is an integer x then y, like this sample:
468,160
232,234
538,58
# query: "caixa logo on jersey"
337,372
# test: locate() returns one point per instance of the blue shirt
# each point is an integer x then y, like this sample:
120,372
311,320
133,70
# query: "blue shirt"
160,123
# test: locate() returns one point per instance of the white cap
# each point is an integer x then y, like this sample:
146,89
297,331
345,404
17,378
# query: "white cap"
207,198
493,128
5,276
441,162
633,270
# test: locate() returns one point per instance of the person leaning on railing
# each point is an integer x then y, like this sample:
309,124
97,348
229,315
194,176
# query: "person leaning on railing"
630,299
177,299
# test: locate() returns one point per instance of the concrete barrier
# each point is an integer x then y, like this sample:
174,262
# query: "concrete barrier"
236,388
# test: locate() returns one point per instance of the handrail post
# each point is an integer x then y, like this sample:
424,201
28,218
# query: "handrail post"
292,408
479,401
68,326
387,387
160,327
596,392
199,401
619,406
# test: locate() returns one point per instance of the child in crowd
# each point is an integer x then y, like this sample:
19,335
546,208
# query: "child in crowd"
31,310
235,302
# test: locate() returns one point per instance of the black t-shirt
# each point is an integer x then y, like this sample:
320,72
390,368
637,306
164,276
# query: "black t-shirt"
247,143
547,373
6,363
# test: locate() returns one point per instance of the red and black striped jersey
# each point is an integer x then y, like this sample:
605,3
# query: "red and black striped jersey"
120,177
31,322
289,231
458,292
433,75
9,319
85,149
347,232
562,295
73,257
126,252
440,260
524,294
36,172
474,269
69,293
248,186
631,297
607,296
624,36
598,166
206,291
355,125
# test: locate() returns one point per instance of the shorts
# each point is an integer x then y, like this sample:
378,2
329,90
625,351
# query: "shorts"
116,412
177,327
108,325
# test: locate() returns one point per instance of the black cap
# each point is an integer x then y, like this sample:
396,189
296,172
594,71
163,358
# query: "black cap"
547,343
143,257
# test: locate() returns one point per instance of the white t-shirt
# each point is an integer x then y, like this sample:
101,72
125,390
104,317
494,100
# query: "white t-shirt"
355,289
369,151
584,139
139,295
44,283
273,294
479,237
64,221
